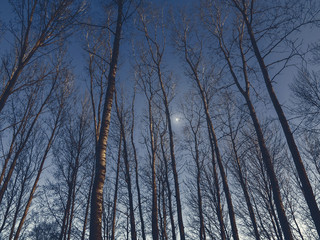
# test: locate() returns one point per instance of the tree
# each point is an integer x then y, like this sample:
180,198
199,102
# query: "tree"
38,27
100,166
156,49
246,9
193,57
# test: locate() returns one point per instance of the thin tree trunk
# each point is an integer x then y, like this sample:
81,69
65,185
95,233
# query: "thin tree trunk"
73,196
157,61
24,142
246,193
137,172
306,186
10,201
100,169
164,212
155,227
214,139
202,232
264,150
127,171
83,235
115,197
35,184
173,158
173,231
18,206
22,61
217,188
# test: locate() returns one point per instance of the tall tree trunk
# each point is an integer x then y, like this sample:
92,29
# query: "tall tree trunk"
157,60
127,171
202,232
214,140
31,102
115,197
217,190
306,186
155,227
136,170
245,191
83,235
173,227
100,169
172,154
35,184
264,150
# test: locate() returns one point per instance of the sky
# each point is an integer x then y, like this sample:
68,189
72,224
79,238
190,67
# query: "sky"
125,74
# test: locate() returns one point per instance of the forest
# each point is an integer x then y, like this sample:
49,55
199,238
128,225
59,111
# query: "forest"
158,119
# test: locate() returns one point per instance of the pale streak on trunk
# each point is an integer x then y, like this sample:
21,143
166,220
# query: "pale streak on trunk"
127,171
100,169
306,186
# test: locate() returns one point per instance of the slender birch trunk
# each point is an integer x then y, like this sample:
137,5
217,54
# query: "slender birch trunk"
100,168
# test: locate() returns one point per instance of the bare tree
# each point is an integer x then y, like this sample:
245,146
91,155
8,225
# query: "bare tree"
100,169
156,49
246,10
145,82
37,27
121,119
193,57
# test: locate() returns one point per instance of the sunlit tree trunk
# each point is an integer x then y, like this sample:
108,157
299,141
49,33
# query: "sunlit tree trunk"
100,169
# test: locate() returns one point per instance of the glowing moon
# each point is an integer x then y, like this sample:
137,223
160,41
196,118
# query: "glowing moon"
177,119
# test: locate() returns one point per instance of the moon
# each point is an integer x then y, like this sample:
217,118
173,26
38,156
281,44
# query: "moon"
177,119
